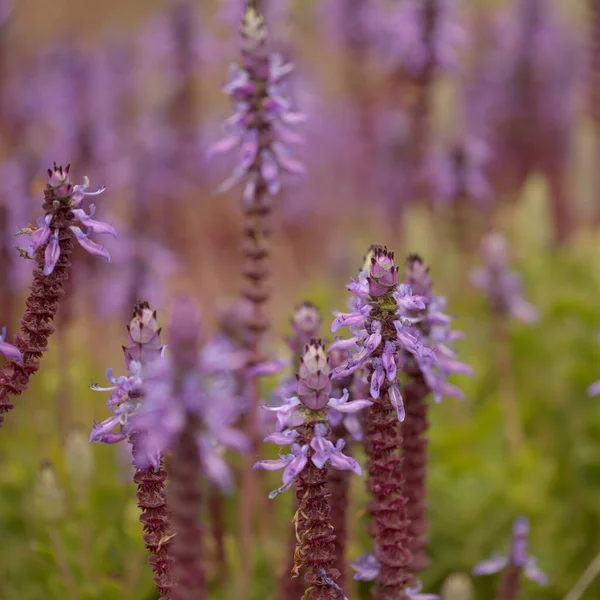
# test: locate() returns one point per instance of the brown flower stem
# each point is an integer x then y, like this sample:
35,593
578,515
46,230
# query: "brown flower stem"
256,274
42,306
315,550
289,586
414,450
184,504
385,482
155,518
339,489
510,584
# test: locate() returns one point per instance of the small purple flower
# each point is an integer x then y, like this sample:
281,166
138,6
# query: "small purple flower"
73,196
8,350
325,451
414,593
366,567
292,465
517,557
594,389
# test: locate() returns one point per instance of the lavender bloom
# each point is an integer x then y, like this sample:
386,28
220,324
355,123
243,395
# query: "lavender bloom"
144,348
45,234
324,452
259,127
594,389
376,284
517,557
8,350
501,284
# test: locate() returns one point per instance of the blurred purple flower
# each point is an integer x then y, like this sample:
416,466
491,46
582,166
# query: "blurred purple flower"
517,557
502,285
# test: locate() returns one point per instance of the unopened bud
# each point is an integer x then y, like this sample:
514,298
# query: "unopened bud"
416,274
494,251
306,323
458,586
314,383
383,272
253,29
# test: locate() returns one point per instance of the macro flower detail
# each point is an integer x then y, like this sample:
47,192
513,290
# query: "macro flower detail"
71,197
259,127
517,562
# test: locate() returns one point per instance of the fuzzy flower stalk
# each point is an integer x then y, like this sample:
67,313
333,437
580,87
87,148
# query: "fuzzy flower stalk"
503,288
306,325
518,562
126,400
304,426
50,246
259,130
383,331
424,376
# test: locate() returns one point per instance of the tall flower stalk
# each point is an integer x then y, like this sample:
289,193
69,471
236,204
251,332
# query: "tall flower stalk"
128,395
51,245
424,377
303,425
259,128
382,332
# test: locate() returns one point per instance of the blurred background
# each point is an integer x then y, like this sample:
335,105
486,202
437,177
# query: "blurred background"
428,124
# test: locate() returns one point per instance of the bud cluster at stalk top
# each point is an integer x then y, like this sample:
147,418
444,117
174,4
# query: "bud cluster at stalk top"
383,326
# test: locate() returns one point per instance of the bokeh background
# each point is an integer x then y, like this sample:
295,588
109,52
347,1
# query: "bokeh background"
128,92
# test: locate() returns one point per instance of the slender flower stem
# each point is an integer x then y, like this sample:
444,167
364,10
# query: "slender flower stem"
508,397
510,584
42,306
184,503
386,485
155,518
414,449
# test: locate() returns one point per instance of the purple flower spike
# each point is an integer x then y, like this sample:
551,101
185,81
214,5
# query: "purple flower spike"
502,285
8,350
259,127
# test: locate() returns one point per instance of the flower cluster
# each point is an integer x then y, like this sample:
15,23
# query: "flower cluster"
517,557
436,328
313,389
501,284
382,326
71,196
125,402
259,129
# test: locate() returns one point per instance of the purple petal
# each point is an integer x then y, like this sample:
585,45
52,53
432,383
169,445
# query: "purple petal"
490,566
52,253
40,236
294,468
341,462
397,402
8,350
89,245
351,407
94,226
101,430
282,438
594,389
270,465
534,573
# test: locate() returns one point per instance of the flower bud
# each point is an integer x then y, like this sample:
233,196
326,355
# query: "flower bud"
416,274
383,272
253,30
314,384
458,586
58,176
144,335
306,323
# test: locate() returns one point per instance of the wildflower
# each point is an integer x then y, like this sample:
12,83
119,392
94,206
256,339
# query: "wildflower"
70,197
502,286
517,562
